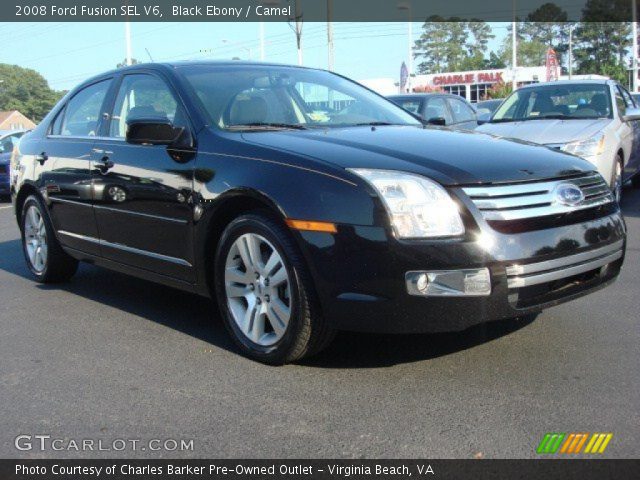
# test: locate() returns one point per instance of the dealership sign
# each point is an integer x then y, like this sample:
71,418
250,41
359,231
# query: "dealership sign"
468,78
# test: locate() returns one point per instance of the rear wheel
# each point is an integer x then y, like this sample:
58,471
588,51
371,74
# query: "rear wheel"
45,258
265,294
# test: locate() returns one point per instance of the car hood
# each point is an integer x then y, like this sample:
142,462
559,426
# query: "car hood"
548,131
451,158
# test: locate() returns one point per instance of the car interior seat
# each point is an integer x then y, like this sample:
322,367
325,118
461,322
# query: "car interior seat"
248,110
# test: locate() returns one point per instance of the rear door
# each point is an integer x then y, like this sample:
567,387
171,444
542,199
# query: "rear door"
64,165
142,192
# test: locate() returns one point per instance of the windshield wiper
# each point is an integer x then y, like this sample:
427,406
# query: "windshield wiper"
266,125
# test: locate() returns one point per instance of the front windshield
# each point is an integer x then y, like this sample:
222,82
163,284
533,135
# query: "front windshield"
241,97
568,101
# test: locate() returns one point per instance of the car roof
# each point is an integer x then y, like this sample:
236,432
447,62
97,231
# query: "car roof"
6,133
597,81
424,95
192,63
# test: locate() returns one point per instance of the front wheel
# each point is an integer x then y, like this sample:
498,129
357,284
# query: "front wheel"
265,293
45,258
616,179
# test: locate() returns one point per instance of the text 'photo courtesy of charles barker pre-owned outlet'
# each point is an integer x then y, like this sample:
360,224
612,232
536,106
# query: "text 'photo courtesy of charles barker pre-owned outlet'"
319,239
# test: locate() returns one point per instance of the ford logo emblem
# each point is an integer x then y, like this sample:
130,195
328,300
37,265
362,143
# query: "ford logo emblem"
569,194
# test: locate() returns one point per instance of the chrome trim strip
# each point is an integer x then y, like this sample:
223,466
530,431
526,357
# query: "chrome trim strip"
79,237
564,261
86,137
158,256
536,279
119,246
72,202
140,214
523,189
555,209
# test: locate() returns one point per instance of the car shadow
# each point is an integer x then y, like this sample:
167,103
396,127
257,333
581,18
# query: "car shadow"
196,316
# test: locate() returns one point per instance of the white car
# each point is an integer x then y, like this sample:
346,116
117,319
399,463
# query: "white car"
594,119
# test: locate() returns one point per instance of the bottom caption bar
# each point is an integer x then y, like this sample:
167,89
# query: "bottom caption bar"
318,469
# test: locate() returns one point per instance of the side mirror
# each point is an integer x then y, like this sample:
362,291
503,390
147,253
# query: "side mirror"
150,131
437,121
631,114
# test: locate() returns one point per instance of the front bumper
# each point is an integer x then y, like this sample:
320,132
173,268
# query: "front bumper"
360,274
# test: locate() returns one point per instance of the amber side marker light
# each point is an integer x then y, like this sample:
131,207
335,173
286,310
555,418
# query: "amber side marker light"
312,226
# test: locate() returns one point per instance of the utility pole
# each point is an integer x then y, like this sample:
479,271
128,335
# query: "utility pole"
570,66
329,35
127,35
262,41
407,6
298,31
634,64
514,46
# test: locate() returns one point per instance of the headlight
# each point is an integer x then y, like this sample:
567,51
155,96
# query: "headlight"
586,148
417,207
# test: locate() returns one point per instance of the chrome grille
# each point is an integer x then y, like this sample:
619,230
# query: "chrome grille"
525,275
530,200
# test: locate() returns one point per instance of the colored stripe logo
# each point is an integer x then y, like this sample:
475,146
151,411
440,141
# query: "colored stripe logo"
573,443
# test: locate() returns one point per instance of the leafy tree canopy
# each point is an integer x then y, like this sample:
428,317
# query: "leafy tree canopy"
26,90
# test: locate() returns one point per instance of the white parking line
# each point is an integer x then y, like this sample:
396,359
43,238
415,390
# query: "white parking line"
8,206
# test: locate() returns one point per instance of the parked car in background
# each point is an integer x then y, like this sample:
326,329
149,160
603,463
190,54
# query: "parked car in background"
636,98
439,109
8,141
220,178
485,109
594,119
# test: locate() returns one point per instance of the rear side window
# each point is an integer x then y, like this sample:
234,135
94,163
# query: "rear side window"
82,113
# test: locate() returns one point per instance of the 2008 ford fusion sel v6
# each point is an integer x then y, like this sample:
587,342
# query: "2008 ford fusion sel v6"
305,203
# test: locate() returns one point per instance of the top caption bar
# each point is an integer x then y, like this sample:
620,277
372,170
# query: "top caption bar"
314,10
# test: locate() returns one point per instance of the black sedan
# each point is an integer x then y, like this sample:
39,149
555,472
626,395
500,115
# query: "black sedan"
304,203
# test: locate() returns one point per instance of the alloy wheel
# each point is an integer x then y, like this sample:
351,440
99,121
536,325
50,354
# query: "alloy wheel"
35,239
257,287
617,185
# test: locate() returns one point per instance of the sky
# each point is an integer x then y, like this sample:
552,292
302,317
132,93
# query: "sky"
68,53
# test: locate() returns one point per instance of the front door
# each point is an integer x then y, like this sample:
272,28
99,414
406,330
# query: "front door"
142,192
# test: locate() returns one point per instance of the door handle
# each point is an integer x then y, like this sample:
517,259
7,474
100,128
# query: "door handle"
106,164
43,157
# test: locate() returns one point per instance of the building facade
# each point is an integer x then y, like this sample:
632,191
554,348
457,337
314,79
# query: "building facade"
14,120
473,85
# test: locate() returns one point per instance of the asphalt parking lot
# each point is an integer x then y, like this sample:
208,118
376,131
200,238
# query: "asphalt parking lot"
111,357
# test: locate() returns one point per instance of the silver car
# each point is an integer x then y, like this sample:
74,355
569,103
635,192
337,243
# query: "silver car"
594,119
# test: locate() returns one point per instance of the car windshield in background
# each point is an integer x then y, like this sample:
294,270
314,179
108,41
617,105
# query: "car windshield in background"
572,101
267,97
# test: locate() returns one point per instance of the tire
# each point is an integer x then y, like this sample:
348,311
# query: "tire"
254,299
616,178
52,264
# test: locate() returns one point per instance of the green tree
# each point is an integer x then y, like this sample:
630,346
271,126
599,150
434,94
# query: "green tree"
452,44
26,90
603,39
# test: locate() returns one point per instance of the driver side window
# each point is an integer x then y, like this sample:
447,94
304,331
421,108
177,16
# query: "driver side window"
143,96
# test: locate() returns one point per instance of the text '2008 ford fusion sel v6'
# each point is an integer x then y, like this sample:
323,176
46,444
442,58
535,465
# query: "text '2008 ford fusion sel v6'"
304,203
